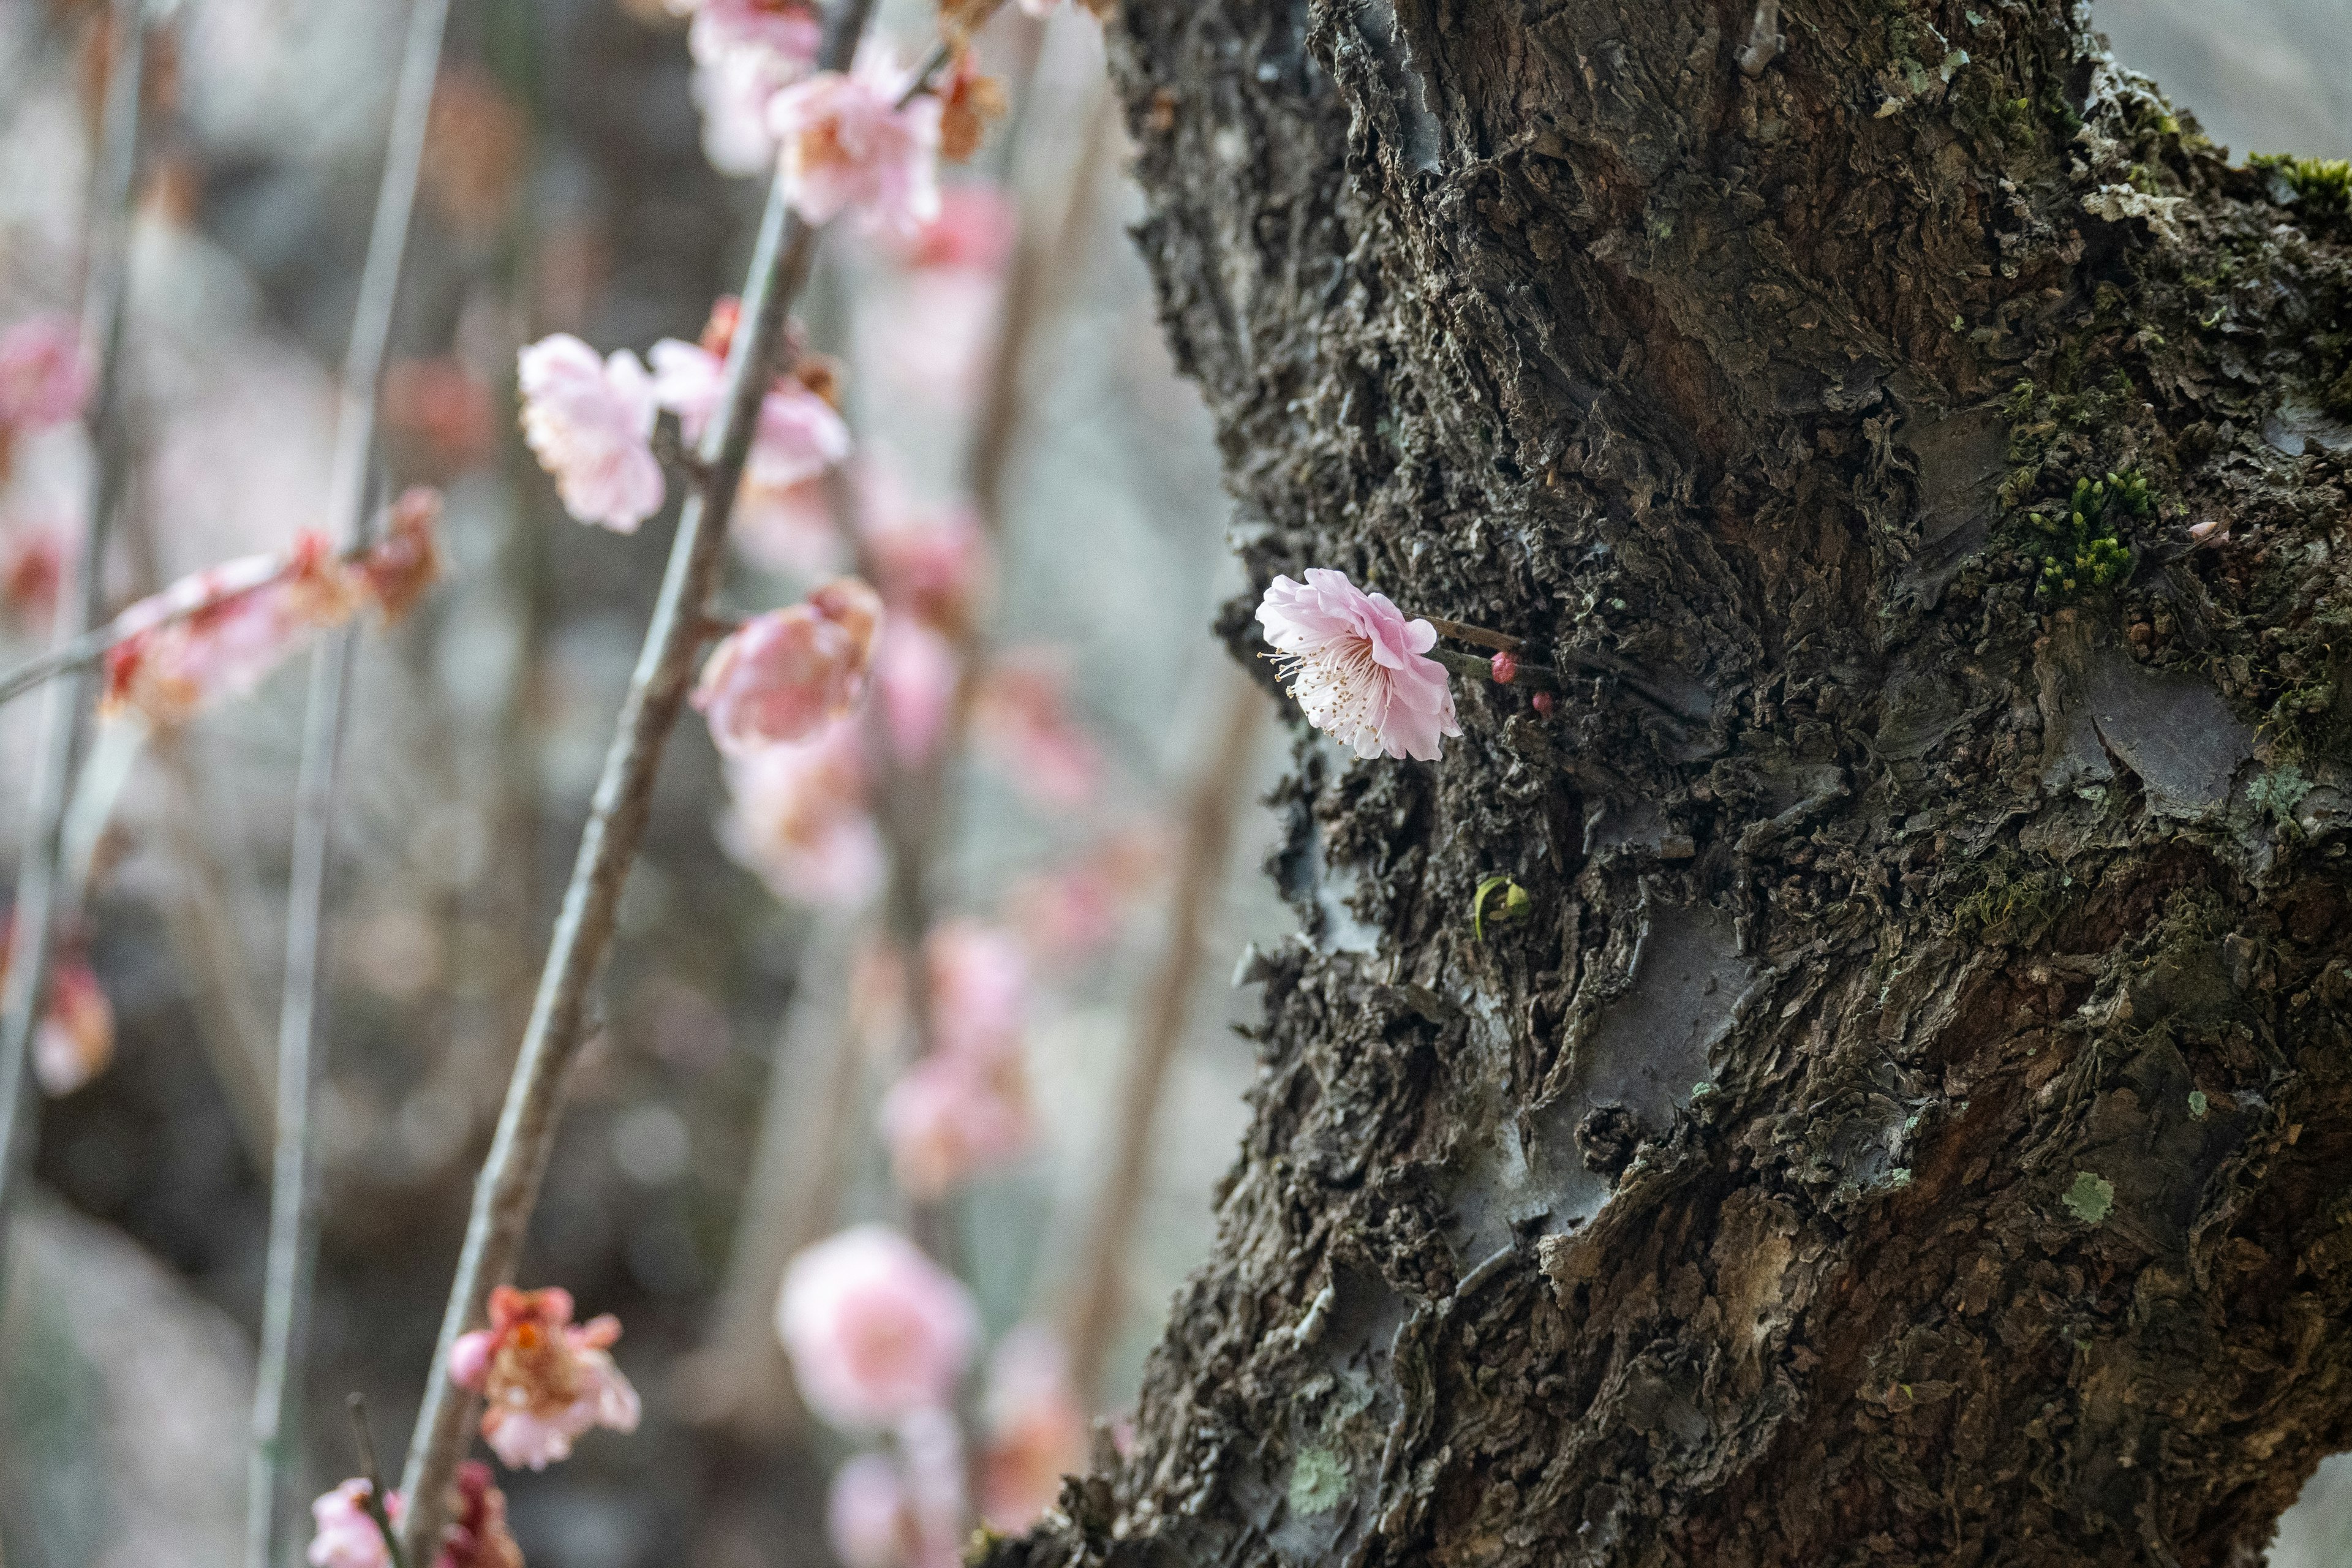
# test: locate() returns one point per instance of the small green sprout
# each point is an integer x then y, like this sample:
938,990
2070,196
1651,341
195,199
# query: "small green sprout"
1514,904
2081,549
2319,185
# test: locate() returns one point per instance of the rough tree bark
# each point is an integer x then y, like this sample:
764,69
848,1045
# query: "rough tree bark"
1910,1123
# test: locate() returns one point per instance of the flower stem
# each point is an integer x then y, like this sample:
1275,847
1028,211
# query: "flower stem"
508,1187
292,1257
38,917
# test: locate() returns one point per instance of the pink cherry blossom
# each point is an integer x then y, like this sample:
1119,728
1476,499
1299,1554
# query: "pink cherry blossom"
915,669
219,631
798,817
869,1520
1036,1428
590,422
1075,912
44,378
745,52
980,990
1357,667
1021,722
799,435
345,1536
951,1117
689,380
544,1380
786,673
932,337
848,147
876,1331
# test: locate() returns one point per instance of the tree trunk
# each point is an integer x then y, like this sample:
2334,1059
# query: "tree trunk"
1909,1123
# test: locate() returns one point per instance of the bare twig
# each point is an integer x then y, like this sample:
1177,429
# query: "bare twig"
38,917
370,1472
1217,794
1460,632
293,1217
508,1185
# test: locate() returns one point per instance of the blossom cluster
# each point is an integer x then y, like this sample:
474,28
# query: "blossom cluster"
544,1380
345,1534
881,1339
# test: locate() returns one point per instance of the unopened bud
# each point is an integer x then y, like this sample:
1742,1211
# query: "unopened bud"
1505,668
1543,703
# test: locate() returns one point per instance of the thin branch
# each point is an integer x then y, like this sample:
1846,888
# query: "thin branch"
1460,632
38,917
1217,794
292,1261
509,1185
372,1473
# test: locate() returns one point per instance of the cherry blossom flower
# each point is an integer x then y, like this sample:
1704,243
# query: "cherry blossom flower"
219,631
44,379
951,1117
848,147
876,1331
785,674
590,422
478,1535
869,1520
980,990
799,435
915,670
1357,667
544,1379
345,1536
798,818
1036,1428
1021,722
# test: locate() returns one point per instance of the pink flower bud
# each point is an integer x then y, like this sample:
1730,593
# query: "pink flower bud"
1543,703
786,673
345,1534
1505,668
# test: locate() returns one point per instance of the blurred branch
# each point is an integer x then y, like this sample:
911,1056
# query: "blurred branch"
1217,796
293,1210
794,1194
36,916
508,1187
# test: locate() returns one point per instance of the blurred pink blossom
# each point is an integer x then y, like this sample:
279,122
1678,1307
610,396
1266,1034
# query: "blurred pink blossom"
867,1518
929,562
219,631
932,336
876,1331
31,567
344,1535
590,422
44,378
915,667
75,1038
544,1380
1021,722
1076,911
785,673
788,528
799,435
1357,667
848,147
980,990
972,231
478,1535
952,1116
798,817
1036,1428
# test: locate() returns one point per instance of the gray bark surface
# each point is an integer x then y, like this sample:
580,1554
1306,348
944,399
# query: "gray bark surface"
1909,1124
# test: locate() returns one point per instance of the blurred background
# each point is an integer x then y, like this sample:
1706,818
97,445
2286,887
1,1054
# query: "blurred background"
725,1113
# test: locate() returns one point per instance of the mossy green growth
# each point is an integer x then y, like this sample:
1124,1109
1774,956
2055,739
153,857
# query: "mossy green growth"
2322,187
2091,1198
2080,549
2279,791
1318,1480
